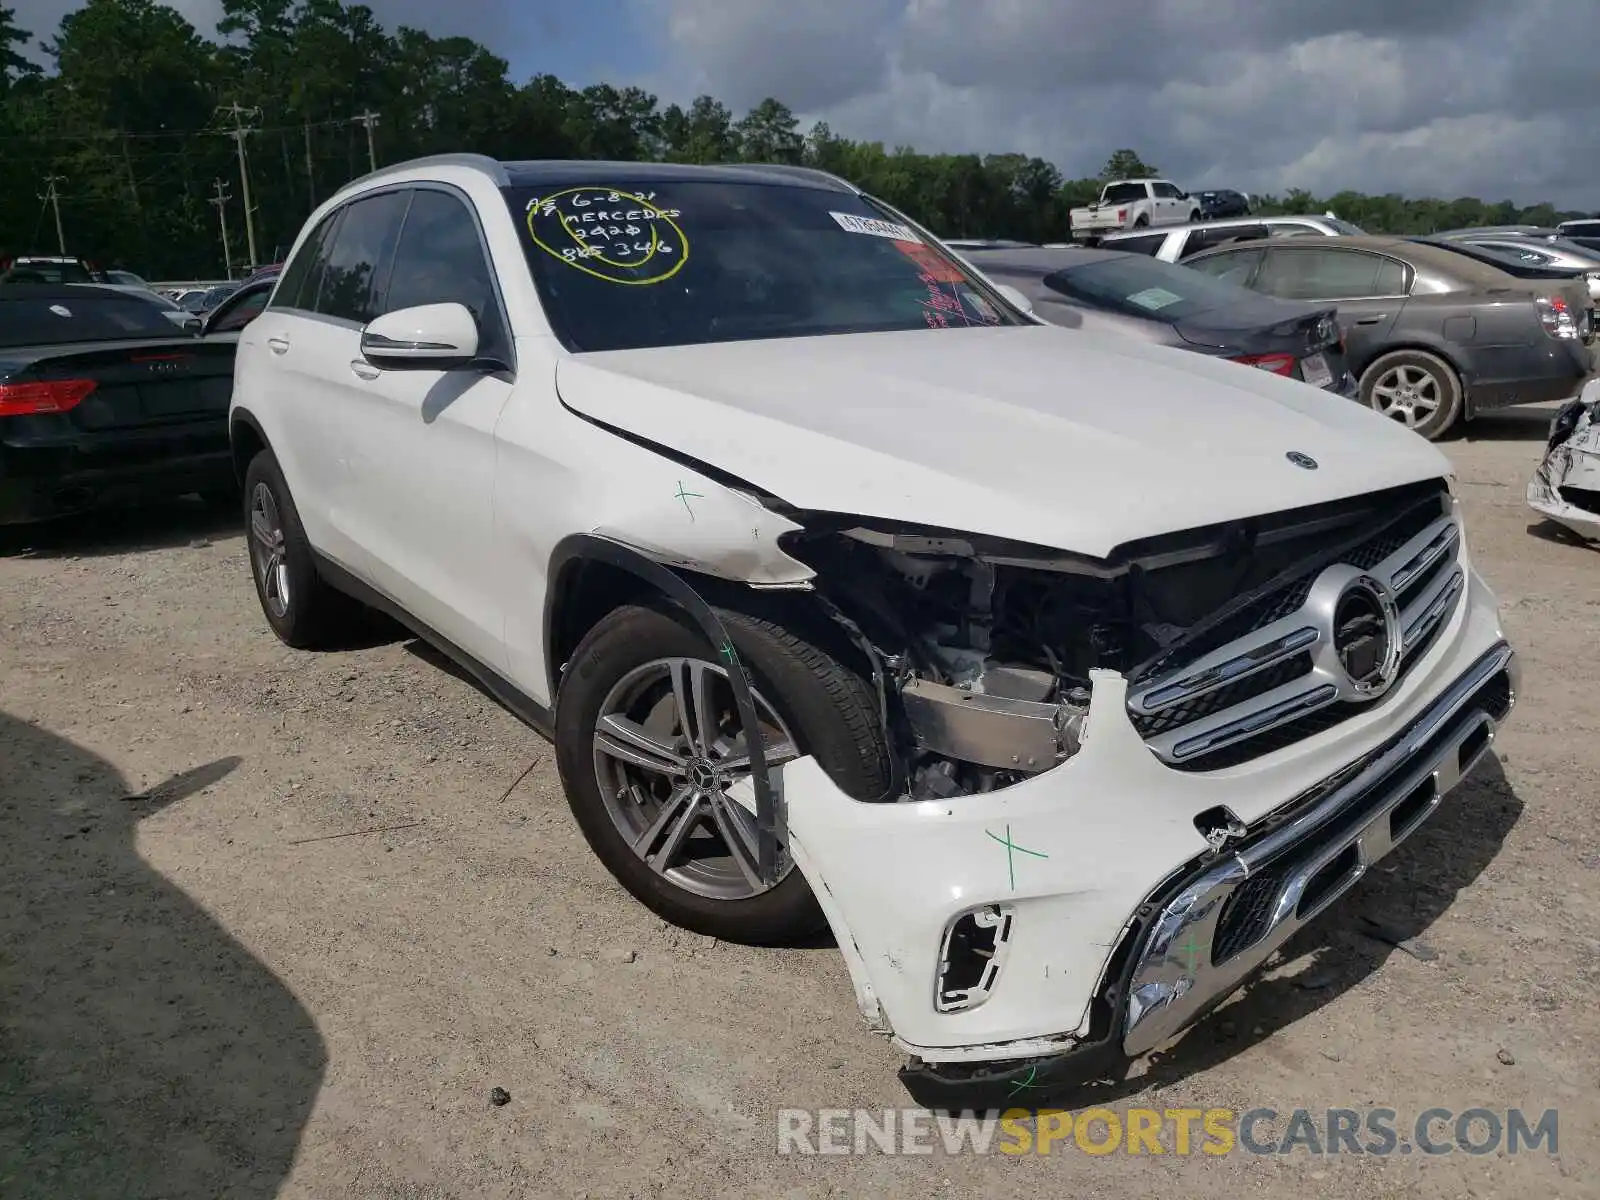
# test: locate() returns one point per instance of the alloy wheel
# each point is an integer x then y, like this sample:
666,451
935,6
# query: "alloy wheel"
668,747
267,550
1408,394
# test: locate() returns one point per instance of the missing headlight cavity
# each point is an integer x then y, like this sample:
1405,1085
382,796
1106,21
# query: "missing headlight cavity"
972,956
983,649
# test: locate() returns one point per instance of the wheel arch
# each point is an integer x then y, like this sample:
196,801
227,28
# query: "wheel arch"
245,440
1418,342
617,572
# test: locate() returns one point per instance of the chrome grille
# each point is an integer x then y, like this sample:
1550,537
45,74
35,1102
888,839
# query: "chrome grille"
1274,679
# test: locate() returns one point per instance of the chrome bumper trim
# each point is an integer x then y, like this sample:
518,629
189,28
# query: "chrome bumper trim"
1175,979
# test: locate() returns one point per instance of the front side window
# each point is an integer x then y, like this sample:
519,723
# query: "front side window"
361,248
624,265
439,259
238,311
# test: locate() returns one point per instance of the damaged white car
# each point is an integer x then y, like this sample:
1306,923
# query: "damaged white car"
1063,678
1566,486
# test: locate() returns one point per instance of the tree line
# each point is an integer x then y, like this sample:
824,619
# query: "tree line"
137,133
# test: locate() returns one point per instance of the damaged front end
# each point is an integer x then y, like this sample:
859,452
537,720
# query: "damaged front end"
1566,486
1083,743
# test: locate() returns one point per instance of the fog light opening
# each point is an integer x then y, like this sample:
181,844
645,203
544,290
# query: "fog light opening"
972,956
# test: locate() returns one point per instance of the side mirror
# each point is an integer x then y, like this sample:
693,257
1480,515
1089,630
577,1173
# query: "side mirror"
431,336
1183,195
193,325
1015,296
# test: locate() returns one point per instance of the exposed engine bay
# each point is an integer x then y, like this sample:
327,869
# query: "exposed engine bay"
986,648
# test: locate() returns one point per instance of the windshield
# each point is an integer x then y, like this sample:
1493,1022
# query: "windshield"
52,316
1345,227
1123,193
1145,287
622,265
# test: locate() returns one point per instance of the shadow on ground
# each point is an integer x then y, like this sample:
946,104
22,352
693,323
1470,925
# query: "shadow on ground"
124,530
143,1051
1341,948
1530,424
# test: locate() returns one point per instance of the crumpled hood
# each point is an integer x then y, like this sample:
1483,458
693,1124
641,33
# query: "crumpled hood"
1034,433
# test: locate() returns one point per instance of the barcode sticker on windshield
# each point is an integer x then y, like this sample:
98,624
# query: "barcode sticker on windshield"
876,228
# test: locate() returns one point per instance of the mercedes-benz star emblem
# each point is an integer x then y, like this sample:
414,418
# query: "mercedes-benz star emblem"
1366,636
1302,460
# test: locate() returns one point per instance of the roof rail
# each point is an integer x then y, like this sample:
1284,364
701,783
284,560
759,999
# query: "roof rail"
480,162
800,173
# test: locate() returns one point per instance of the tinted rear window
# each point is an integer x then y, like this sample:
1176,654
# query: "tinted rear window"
36,271
1144,287
1124,193
55,319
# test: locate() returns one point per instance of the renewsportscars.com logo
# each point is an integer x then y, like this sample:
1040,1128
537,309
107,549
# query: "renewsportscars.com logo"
1176,1131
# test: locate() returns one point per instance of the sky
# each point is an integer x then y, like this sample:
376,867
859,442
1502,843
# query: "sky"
1423,97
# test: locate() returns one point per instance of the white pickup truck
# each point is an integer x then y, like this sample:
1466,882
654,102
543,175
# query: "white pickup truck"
1134,204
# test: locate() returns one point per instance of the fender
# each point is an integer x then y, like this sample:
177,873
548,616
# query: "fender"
577,547
243,418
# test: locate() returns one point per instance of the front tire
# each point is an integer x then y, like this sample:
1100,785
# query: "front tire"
649,744
301,608
1417,389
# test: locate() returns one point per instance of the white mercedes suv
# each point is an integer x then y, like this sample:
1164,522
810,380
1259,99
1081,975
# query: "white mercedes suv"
1064,678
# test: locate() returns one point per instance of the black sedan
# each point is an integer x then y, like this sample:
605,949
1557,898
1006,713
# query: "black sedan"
1110,291
1435,335
103,401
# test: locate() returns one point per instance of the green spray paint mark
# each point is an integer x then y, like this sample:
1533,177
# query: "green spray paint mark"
1012,850
680,494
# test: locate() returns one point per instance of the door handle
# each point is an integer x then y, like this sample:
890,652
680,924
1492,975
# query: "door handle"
363,368
278,345
1375,319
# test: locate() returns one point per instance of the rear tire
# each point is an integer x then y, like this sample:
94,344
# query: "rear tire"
1141,221
825,707
298,603
1415,388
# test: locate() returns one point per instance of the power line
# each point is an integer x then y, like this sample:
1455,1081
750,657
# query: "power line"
239,132
52,197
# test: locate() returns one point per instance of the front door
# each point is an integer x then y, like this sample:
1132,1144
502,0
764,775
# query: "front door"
422,465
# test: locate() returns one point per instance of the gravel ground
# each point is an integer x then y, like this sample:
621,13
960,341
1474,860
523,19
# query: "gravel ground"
197,1000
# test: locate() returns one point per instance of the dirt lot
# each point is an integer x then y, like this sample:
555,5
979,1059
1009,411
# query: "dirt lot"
197,1001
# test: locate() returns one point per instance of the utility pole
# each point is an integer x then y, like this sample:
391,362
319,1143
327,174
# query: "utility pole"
369,119
311,177
220,202
52,197
240,115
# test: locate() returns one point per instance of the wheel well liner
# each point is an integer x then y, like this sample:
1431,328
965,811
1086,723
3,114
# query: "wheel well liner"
606,564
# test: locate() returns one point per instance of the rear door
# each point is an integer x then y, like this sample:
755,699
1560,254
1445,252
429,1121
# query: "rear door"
1369,289
312,334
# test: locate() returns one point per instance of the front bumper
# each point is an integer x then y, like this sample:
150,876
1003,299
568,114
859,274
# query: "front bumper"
1111,901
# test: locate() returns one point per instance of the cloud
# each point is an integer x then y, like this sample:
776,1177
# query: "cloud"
1440,97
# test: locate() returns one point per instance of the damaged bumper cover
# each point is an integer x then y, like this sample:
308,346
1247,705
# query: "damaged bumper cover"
1566,485
1053,929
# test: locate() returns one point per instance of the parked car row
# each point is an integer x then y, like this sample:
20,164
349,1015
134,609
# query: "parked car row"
1431,331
